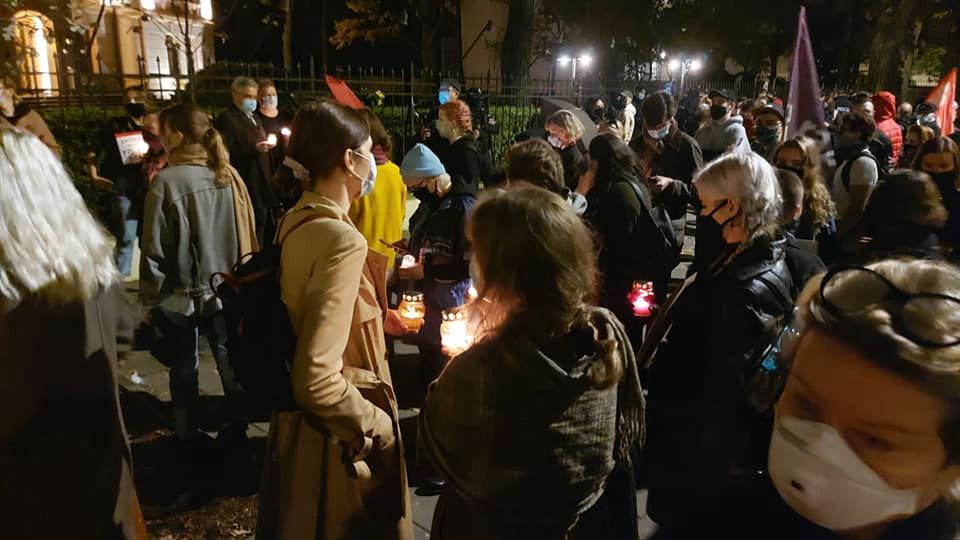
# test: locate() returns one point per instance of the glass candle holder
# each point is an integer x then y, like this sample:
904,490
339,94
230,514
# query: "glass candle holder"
456,334
412,310
641,298
408,261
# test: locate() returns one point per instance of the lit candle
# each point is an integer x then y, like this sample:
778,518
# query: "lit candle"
408,261
285,131
472,293
272,139
641,298
412,310
143,147
456,335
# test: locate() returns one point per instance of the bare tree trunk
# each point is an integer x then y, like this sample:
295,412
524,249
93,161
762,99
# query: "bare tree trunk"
288,35
891,54
843,63
519,39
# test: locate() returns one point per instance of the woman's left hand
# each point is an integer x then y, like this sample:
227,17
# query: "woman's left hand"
411,273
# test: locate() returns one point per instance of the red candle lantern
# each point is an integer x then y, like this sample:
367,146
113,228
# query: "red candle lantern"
641,298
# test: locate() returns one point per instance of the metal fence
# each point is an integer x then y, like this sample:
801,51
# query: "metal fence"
402,98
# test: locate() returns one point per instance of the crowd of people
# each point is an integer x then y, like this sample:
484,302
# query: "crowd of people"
798,381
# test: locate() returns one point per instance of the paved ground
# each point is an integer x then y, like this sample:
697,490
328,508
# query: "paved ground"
145,382
146,397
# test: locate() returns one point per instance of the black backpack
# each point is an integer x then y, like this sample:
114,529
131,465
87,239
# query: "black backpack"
666,251
260,338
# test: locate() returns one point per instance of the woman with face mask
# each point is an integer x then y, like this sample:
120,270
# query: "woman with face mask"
913,139
940,158
564,131
439,245
865,440
197,220
274,120
801,156
529,423
709,397
463,160
334,467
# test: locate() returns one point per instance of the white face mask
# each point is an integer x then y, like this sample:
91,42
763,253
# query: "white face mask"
824,480
366,184
554,141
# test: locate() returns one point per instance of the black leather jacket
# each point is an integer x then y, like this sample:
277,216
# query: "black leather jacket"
708,424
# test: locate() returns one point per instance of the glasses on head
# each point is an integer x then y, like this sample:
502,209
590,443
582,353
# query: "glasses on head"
927,319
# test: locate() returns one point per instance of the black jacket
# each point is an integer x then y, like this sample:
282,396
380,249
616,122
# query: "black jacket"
465,164
708,421
679,159
625,231
438,227
574,165
241,133
803,264
755,511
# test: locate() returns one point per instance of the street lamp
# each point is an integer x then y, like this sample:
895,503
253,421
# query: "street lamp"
584,60
684,65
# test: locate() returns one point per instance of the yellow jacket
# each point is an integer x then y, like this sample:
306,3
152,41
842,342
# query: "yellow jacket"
379,215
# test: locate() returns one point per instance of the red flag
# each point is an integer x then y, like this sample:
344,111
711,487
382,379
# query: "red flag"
945,95
803,102
343,94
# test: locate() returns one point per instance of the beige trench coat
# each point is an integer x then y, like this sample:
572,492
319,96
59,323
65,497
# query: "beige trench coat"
335,469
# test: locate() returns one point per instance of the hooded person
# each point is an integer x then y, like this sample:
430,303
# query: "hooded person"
438,243
725,133
885,115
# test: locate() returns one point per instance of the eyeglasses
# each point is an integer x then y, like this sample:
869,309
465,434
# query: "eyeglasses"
927,319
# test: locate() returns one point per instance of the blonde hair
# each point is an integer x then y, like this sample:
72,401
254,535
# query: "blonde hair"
50,245
818,204
568,121
750,180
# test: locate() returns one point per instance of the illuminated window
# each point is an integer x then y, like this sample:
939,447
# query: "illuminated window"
36,51
148,5
206,9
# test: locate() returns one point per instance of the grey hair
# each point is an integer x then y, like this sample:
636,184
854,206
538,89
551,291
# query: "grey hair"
50,245
751,181
242,82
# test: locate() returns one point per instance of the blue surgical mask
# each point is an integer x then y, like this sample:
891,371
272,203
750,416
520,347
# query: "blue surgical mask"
269,102
444,97
249,105
658,134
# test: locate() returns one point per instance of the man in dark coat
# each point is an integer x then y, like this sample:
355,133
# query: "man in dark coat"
669,158
249,150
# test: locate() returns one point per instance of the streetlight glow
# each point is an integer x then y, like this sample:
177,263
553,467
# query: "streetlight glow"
663,55
563,60
585,60
695,65
674,64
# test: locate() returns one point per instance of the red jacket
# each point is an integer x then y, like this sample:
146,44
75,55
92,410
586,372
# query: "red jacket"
885,112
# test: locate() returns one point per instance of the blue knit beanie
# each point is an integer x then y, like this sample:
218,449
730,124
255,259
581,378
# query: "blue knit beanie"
421,162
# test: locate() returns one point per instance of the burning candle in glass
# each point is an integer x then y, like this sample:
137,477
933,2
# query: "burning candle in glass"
412,310
285,131
408,261
272,139
641,298
456,336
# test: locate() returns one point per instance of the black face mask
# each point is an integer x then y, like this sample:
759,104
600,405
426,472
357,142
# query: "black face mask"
136,110
718,111
425,196
944,180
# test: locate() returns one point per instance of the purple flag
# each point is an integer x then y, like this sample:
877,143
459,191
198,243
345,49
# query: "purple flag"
804,109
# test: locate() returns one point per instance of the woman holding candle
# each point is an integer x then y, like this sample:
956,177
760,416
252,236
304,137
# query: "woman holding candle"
710,398
334,466
438,241
527,425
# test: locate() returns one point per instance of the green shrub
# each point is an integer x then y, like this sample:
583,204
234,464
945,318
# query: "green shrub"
75,129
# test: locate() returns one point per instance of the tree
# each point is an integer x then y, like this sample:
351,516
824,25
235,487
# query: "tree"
374,21
519,39
11,52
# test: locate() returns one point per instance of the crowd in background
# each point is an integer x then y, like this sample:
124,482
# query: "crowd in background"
799,380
